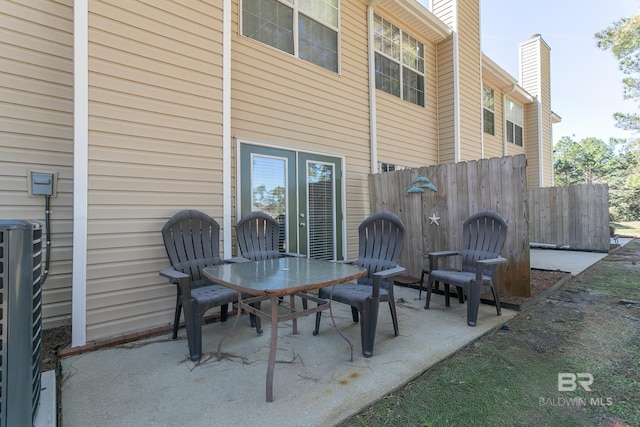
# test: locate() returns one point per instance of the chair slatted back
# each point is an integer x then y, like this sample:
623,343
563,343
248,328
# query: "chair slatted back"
381,237
192,241
484,234
258,237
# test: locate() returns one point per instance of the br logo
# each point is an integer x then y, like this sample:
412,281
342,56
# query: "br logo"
568,381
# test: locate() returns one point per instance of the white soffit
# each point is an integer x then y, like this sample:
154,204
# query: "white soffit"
415,15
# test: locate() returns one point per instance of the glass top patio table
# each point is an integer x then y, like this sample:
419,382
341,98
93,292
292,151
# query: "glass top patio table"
273,278
282,276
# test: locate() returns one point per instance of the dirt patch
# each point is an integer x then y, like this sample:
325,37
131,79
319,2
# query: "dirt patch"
54,340
542,283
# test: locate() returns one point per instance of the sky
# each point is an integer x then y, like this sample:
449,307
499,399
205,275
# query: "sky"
586,83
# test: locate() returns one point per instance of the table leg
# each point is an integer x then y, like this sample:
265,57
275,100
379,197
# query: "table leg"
292,303
274,347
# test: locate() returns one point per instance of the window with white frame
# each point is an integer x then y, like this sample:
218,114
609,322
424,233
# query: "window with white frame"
390,167
515,119
399,62
305,28
488,112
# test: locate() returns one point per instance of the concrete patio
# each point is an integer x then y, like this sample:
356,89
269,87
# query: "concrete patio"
152,382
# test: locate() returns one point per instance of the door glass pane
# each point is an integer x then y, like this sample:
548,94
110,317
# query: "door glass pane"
321,208
269,190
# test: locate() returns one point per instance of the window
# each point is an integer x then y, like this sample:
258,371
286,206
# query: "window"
515,118
488,110
314,38
399,62
390,167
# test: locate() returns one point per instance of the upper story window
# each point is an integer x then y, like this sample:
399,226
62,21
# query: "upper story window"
488,106
314,37
515,120
399,62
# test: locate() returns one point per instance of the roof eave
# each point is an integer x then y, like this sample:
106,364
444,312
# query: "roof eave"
505,81
412,13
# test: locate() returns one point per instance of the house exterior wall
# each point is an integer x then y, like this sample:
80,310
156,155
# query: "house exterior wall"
36,130
407,133
547,141
154,148
470,69
446,102
155,128
285,102
531,144
535,73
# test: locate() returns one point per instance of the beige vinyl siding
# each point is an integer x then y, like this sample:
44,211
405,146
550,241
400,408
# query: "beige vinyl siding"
470,80
286,102
531,144
547,144
407,133
444,10
528,71
535,72
445,102
155,147
514,150
36,130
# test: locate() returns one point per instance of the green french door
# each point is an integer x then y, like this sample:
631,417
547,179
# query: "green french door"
303,191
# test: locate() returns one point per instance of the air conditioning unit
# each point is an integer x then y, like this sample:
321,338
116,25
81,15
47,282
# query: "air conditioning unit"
20,321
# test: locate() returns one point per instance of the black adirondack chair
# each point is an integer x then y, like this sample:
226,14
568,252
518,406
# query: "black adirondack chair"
484,234
191,239
380,240
258,236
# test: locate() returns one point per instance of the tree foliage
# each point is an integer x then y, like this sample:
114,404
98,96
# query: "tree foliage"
616,163
592,161
585,162
623,39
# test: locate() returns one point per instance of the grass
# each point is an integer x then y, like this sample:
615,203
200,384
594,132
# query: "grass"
630,228
510,377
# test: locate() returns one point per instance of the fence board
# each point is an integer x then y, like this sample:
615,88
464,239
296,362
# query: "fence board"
463,188
577,217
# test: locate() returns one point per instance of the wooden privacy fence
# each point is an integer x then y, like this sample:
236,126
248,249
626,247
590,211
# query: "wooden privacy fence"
497,184
573,217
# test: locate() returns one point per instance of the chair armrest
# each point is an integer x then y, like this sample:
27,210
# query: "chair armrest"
482,263
491,261
384,274
440,254
181,279
174,276
347,261
236,260
443,253
435,256
292,254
